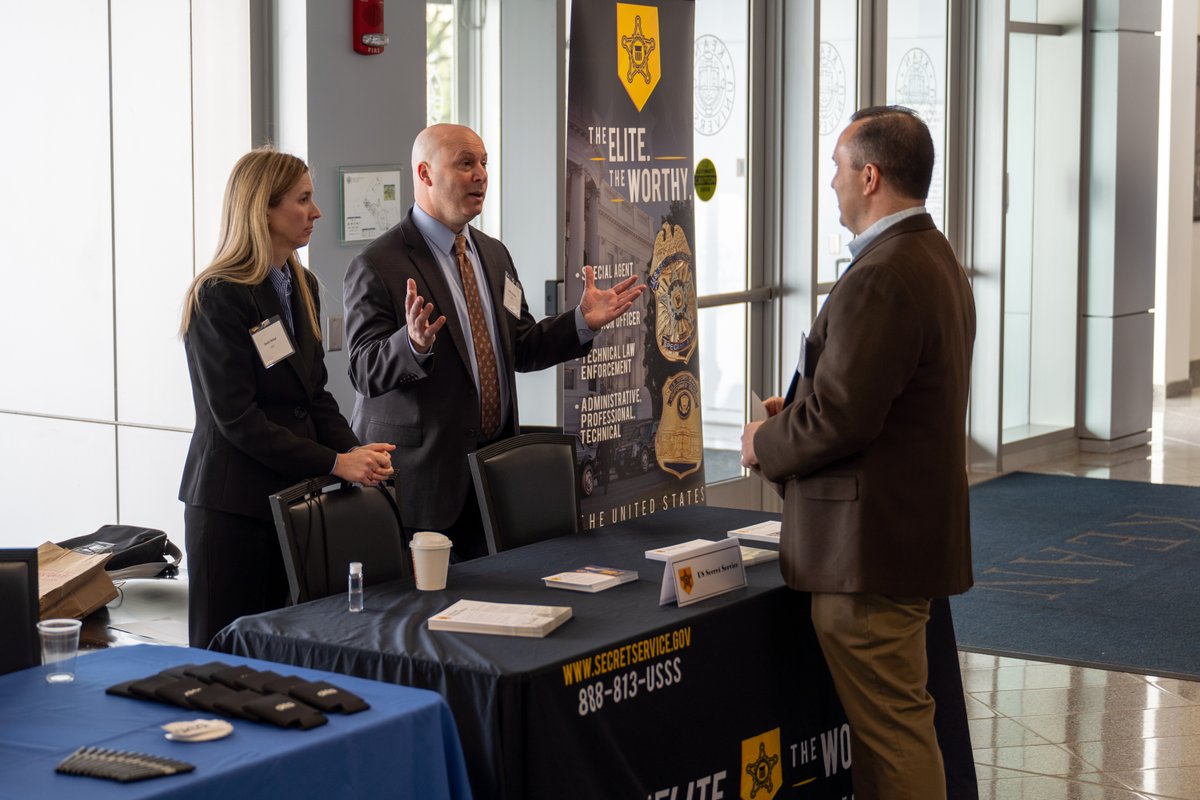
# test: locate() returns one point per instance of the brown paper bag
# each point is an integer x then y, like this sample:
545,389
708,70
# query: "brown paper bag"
71,584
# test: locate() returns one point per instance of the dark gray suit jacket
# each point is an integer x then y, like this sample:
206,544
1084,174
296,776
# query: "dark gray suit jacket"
258,430
431,411
872,453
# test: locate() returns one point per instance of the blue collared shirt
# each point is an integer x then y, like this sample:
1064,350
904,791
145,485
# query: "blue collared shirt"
281,282
441,243
860,242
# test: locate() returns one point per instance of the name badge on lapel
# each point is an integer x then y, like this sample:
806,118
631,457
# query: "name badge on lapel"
512,296
272,340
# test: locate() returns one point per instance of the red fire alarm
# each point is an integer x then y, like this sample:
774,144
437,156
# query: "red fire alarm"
369,38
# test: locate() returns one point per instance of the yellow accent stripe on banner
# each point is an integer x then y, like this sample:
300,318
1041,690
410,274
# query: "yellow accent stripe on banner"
801,783
596,158
618,199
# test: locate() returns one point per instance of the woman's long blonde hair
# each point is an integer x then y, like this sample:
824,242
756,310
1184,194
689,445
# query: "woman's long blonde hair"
259,181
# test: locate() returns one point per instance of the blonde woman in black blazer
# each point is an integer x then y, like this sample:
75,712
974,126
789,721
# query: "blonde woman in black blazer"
259,428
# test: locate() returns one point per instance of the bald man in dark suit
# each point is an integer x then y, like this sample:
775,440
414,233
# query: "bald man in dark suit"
871,452
438,326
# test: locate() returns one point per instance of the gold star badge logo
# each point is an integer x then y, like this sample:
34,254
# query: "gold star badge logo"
638,58
762,774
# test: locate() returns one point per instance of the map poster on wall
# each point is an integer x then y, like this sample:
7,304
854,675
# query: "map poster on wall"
371,201
634,401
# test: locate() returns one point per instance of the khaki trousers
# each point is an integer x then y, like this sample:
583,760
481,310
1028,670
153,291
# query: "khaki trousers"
875,648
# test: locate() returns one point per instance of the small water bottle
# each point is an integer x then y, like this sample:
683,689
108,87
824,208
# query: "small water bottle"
355,584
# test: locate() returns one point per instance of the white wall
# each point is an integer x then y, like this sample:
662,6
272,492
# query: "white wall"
125,132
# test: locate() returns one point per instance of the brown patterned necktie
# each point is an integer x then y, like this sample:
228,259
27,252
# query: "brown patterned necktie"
485,356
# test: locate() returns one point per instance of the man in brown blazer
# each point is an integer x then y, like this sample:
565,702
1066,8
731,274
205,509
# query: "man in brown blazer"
871,453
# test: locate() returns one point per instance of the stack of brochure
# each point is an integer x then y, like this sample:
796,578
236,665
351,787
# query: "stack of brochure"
757,555
503,619
663,553
590,578
762,532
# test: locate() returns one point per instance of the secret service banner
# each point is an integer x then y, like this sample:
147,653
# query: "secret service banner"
634,400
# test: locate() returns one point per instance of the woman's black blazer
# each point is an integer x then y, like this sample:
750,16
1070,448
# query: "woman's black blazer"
258,429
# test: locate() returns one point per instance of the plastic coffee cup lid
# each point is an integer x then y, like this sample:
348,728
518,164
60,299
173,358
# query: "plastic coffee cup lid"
428,540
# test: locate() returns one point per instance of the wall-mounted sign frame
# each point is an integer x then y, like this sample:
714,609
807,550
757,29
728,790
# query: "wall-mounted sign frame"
372,201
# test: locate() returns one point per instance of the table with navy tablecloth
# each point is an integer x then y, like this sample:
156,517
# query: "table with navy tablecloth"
729,697
404,746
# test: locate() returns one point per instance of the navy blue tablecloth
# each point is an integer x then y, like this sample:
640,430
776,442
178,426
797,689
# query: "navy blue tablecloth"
628,698
404,746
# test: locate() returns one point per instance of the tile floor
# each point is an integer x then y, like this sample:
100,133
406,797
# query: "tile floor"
1053,732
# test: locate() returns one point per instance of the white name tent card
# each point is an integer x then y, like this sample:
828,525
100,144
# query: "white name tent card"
701,572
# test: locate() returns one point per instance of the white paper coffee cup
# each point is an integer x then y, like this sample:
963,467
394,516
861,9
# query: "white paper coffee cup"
431,560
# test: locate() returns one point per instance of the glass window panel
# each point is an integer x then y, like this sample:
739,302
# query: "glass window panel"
1022,11
723,389
37,510
721,128
916,59
1041,266
440,47
1018,229
221,109
837,93
152,208
55,211
150,464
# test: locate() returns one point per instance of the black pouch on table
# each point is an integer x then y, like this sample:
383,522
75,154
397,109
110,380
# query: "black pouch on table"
234,703
256,680
328,698
122,689
235,677
212,693
181,691
204,672
179,670
147,688
281,710
282,685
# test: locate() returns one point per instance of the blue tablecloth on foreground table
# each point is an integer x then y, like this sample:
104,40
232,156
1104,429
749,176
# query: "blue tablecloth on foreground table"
404,746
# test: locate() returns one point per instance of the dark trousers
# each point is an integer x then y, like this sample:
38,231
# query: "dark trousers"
235,567
950,719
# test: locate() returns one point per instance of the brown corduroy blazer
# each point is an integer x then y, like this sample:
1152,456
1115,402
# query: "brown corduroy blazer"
871,454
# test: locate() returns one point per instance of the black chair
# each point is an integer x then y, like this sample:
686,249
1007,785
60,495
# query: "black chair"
19,647
541,429
325,523
527,489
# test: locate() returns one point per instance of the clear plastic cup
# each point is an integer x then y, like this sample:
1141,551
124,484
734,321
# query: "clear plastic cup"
60,645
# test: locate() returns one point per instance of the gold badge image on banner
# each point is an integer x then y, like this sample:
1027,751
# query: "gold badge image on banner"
762,774
638,51
679,444
674,289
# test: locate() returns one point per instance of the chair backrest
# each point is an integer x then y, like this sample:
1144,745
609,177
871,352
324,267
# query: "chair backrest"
324,524
19,648
527,489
